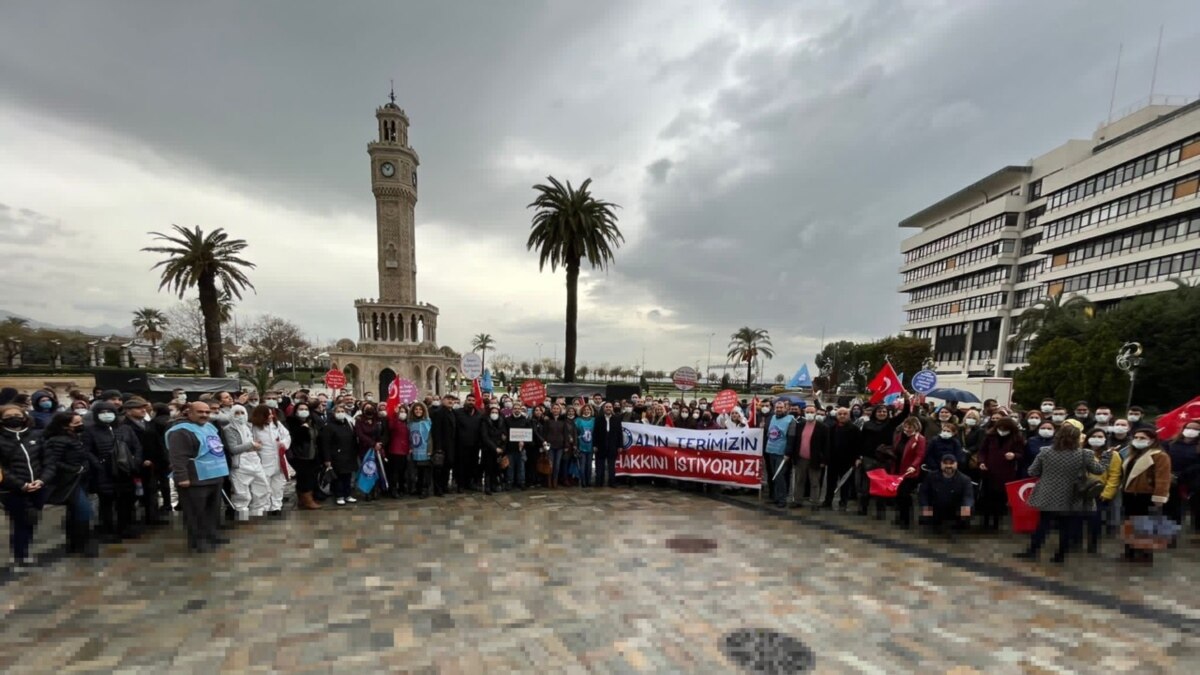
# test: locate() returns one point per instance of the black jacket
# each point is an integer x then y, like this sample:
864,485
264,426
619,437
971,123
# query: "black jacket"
519,422
608,439
152,442
20,458
940,492
305,442
62,456
339,446
495,434
818,445
99,440
845,444
468,430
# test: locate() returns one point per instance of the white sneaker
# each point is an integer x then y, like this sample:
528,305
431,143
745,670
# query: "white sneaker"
341,502
352,500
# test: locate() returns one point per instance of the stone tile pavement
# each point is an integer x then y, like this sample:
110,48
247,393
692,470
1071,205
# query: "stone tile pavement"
585,581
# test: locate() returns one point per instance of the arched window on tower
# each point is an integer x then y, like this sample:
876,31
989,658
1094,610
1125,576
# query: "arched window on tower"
414,333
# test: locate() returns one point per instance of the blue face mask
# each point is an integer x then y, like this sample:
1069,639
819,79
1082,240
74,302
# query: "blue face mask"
45,404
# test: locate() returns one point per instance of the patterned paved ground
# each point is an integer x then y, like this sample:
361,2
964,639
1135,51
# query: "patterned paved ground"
583,581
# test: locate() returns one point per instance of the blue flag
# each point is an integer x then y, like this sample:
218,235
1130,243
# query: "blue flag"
801,378
486,383
368,472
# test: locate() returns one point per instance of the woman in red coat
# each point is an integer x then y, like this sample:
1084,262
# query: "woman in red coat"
910,453
1000,455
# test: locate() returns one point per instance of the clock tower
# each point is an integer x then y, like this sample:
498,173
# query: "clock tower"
394,184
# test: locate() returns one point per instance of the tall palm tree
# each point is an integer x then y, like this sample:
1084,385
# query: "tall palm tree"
747,344
211,263
1048,310
571,226
483,343
149,322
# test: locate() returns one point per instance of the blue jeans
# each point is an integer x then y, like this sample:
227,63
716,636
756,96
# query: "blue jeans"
780,483
585,469
22,509
556,463
515,473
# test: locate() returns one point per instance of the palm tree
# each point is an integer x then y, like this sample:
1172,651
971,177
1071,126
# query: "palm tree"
747,344
483,343
263,380
1047,310
570,226
149,322
205,261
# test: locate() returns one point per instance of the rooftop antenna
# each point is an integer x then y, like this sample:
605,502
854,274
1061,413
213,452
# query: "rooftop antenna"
1154,75
1112,100
392,90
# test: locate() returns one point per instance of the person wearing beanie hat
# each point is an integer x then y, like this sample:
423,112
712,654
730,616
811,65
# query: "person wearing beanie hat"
946,496
112,396
114,483
136,416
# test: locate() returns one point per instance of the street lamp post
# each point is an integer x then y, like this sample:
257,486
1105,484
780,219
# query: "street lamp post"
708,360
1128,359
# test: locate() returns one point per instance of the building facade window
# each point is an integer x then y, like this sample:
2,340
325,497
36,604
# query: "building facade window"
1150,235
1146,165
1140,273
990,277
968,305
976,231
1157,197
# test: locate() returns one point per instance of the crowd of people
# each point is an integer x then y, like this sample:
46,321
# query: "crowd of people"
226,457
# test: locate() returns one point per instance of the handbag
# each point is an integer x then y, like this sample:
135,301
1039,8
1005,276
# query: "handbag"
544,465
502,462
325,481
1089,486
64,486
122,457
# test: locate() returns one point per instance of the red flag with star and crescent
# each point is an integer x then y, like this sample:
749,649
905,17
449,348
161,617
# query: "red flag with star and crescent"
393,399
1170,424
885,383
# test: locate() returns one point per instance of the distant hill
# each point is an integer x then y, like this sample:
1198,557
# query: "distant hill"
102,329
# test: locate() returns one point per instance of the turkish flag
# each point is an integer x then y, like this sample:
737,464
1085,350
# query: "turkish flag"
1170,424
393,399
478,392
886,382
1024,517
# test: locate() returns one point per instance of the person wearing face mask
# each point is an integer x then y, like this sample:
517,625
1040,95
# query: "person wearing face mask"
1039,440
441,451
1000,456
876,440
251,491
608,440
495,441
585,433
136,415
370,431
1184,451
1110,460
65,470
420,442
1083,415
339,449
1058,416
779,438
973,433
22,491
45,405
514,474
119,453
944,443
305,454
1137,419
1146,485
559,434
844,446
946,496
810,458
399,446
910,456
273,455
1059,470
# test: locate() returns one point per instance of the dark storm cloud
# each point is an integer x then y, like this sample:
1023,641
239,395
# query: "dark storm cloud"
770,160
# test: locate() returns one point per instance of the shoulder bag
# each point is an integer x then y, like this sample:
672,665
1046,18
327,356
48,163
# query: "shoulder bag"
1089,486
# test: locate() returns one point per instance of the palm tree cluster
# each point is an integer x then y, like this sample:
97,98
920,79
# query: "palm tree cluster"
212,264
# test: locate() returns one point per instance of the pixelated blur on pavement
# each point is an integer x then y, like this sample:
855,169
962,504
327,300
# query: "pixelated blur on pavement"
605,580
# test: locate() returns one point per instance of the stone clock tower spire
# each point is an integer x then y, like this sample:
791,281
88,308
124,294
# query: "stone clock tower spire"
394,184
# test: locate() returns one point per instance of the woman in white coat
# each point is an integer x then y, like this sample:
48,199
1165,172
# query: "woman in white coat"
273,440
250,488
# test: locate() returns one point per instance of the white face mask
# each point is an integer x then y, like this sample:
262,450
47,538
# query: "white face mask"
181,399
1034,422
946,435
402,415
239,417
1191,433
458,406
1046,433
1101,417
302,414
696,415
765,409
1134,417
508,404
106,417
1047,409
341,416
272,403
1120,430
494,416
1002,432
810,417
1097,442
1141,444
970,421
1058,418
627,409
147,417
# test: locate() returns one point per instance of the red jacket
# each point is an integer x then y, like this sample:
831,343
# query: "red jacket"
912,455
399,441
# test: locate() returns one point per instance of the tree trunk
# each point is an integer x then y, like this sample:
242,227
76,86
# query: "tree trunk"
572,318
211,309
749,366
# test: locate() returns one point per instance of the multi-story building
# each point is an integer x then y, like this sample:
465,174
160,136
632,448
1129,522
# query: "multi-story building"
1106,218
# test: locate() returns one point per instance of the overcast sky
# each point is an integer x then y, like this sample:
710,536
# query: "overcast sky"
762,151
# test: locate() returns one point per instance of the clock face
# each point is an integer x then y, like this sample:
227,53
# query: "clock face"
387,169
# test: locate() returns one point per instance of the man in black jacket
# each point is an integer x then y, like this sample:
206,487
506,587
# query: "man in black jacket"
136,416
844,446
443,432
608,439
468,437
946,496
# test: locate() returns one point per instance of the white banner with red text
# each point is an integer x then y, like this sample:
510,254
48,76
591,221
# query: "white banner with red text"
730,457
